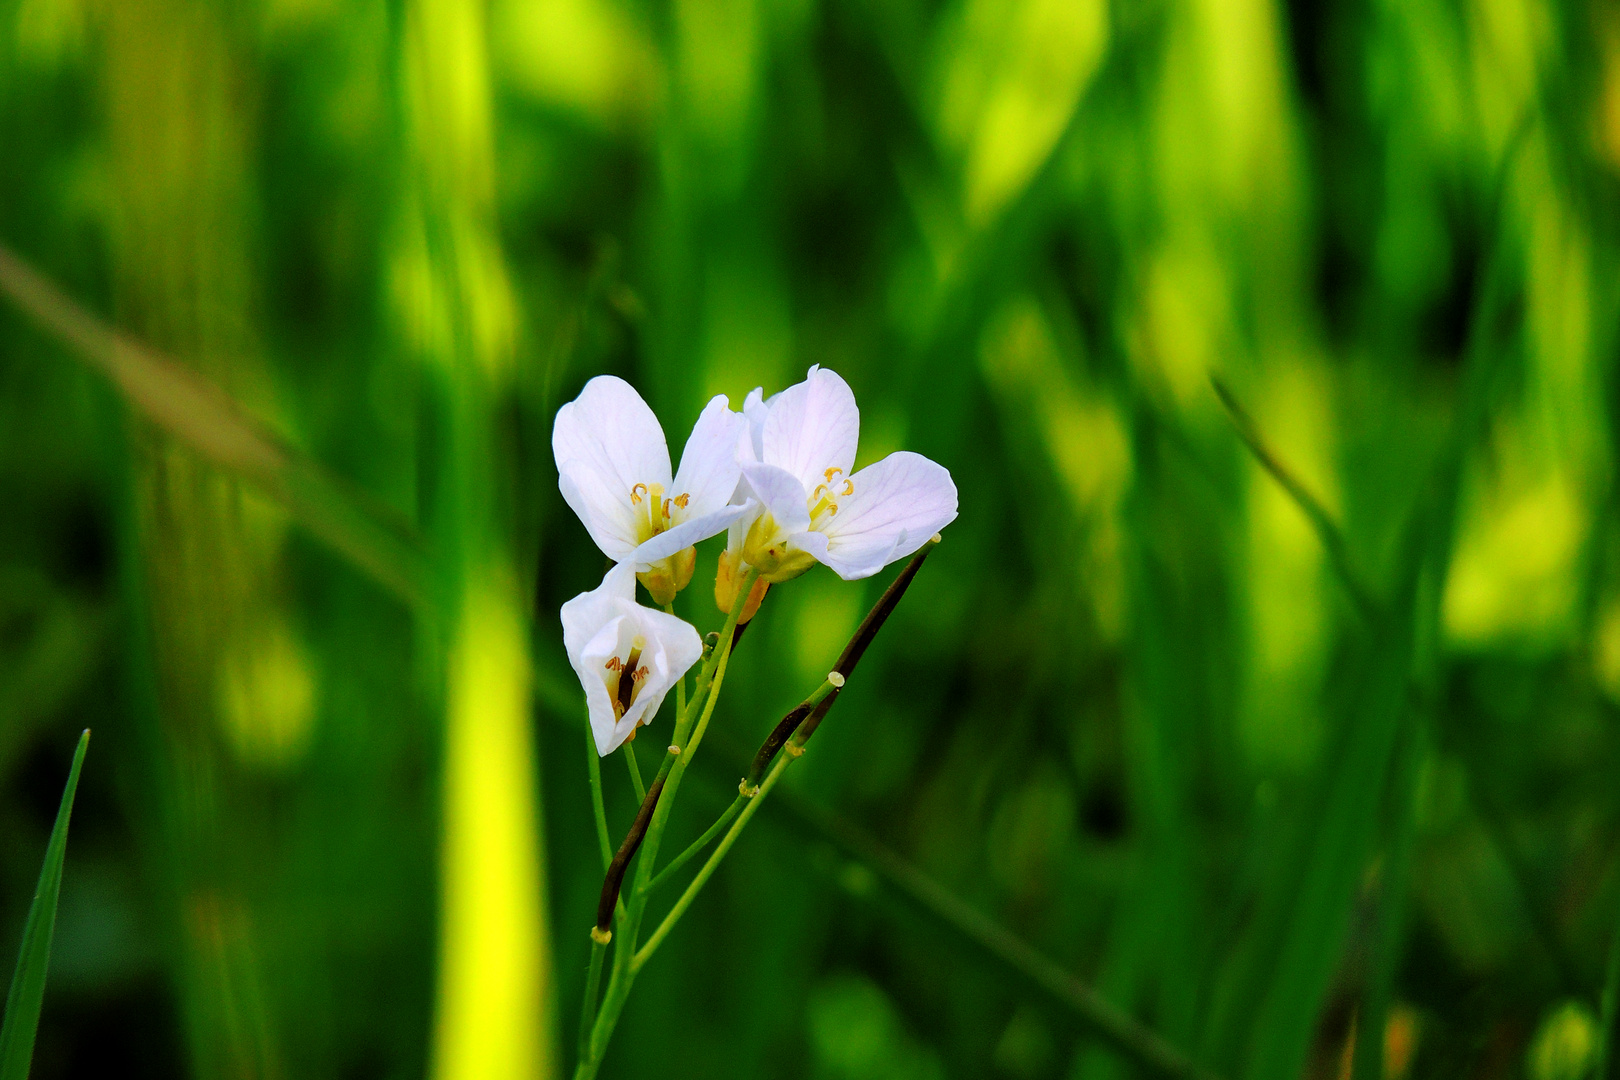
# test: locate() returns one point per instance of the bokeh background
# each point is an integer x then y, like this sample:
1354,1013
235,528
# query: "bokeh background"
1277,785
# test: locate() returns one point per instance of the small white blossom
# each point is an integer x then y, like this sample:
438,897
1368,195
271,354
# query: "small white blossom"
627,655
800,451
613,470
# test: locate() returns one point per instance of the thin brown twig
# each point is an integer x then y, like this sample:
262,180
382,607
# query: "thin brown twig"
613,880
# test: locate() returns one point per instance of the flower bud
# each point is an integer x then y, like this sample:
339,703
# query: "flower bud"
669,576
728,577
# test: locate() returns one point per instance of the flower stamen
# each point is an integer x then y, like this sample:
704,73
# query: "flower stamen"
822,502
629,676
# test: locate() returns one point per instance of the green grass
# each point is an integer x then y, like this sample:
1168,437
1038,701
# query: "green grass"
26,997
1259,714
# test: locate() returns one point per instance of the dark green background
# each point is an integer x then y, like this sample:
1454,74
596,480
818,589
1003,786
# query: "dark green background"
1130,709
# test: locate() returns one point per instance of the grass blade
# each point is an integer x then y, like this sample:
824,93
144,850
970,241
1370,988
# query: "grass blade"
204,417
27,992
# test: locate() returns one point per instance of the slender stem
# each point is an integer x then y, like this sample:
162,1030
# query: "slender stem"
669,772
594,769
697,845
680,683
709,867
635,770
708,690
690,746
593,981
787,727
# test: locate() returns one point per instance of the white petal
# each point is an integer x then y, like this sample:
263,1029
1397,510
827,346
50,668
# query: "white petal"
897,505
709,464
755,410
606,441
781,494
592,626
685,535
671,648
812,427
600,625
737,531
588,612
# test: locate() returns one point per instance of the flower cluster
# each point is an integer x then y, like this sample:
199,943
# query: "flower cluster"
777,477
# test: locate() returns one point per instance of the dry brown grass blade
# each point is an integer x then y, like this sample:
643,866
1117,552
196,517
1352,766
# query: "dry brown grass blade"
204,417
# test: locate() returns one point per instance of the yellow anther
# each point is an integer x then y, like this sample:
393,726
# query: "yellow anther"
682,499
832,472
849,487
634,498
614,664
822,501
666,506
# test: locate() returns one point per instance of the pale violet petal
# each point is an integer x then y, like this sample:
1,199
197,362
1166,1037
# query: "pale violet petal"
755,410
709,463
737,531
684,535
812,428
896,506
606,441
782,495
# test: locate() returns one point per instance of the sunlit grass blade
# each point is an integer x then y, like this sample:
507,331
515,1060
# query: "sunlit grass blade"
1321,897
27,992
1326,529
204,417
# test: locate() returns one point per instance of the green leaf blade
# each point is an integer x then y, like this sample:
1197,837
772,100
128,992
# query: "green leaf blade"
27,993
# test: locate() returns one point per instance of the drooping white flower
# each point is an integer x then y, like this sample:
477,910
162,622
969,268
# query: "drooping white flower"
627,655
800,451
613,470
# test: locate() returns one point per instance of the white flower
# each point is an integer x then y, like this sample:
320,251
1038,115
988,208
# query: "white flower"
613,469
627,655
811,509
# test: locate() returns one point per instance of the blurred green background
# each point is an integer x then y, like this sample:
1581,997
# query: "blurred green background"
1276,787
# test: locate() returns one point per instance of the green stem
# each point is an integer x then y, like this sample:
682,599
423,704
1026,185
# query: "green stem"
635,770
594,769
708,691
672,768
675,913
593,982
697,845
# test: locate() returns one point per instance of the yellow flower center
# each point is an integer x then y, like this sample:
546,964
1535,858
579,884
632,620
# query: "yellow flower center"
658,513
823,501
625,681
